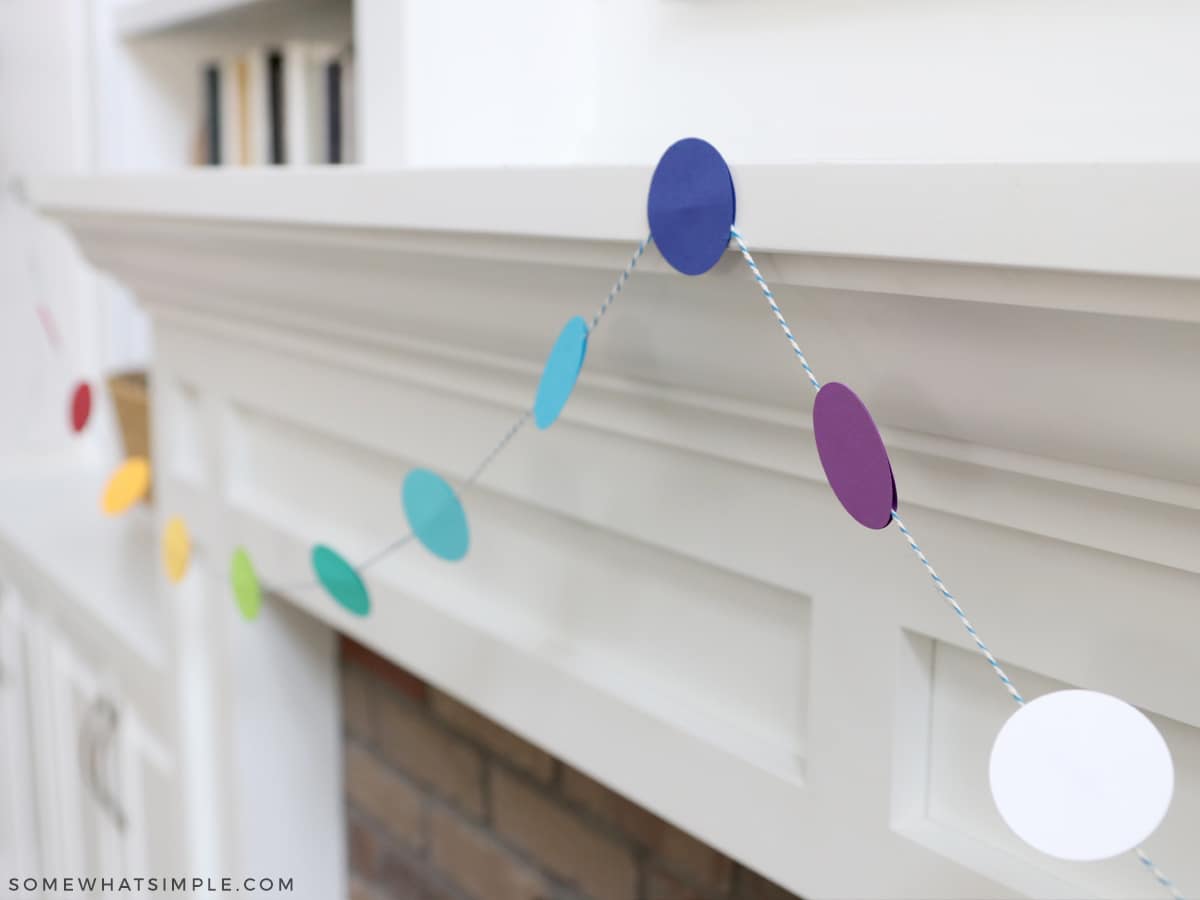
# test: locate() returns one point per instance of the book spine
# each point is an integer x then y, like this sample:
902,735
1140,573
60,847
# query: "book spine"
297,104
348,104
230,127
258,98
333,111
212,114
276,110
318,106
244,115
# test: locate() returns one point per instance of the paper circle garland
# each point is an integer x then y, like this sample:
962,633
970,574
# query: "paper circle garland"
246,590
853,456
1076,774
176,549
691,206
1080,775
341,580
126,486
560,372
81,406
435,514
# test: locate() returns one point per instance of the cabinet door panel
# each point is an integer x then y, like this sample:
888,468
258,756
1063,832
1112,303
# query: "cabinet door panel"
18,825
94,753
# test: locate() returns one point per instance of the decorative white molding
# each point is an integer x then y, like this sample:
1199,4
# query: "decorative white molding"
1102,217
661,589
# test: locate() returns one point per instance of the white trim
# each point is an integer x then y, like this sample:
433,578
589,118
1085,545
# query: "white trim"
1111,217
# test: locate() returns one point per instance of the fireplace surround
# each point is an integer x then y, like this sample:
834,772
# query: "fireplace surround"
662,592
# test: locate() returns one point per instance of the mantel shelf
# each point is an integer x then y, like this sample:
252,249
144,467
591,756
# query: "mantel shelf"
667,565
1110,218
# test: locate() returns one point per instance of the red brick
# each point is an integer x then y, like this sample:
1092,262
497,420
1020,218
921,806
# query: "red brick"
362,890
752,886
357,688
676,850
473,860
377,792
700,863
560,841
365,851
517,752
425,751
406,877
661,886
400,680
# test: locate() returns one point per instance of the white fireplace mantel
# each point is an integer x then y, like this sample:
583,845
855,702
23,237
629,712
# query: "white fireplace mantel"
661,589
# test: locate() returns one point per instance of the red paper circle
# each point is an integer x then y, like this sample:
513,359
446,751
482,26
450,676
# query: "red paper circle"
81,406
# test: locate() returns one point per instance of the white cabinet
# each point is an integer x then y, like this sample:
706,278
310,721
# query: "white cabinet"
91,787
18,838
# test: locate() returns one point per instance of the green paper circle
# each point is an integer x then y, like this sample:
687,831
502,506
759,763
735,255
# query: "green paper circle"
341,580
245,585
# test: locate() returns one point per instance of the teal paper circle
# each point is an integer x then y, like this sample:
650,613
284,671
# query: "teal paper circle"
561,372
435,514
341,580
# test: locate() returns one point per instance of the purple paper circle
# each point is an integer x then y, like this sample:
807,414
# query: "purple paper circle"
691,206
853,456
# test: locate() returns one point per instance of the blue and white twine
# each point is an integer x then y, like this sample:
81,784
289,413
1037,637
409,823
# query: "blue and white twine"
512,431
620,282
766,291
1155,872
958,611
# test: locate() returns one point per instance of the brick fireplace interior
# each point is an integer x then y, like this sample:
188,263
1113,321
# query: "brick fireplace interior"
444,804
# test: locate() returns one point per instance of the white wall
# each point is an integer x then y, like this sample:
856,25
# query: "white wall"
615,81
41,130
46,126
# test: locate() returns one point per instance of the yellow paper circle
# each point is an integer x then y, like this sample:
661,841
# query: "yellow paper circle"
126,486
176,549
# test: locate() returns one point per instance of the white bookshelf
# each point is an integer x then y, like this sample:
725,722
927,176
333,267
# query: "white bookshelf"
146,18
149,56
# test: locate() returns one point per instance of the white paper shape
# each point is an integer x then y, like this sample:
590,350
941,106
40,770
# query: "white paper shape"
1081,775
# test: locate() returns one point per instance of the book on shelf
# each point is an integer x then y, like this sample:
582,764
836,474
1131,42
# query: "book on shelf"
276,139
212,114
279,105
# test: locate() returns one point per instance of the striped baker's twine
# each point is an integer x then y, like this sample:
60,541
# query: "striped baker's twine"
499,446
766,291
525,416
620,282
1155,872
495,451
389,549
937,579
467,482
958,611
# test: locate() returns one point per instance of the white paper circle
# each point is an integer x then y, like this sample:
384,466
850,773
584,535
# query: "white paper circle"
1081,775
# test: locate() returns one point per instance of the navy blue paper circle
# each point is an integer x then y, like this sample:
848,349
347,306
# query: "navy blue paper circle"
561,372
691,206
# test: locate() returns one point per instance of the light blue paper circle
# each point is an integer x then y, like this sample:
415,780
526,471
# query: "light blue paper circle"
561,372
341,580
435,514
